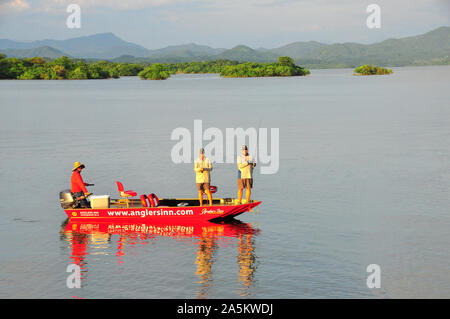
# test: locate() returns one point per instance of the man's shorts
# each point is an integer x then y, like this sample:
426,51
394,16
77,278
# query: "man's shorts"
203,186
245,183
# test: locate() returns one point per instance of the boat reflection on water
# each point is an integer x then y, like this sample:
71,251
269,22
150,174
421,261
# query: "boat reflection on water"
82,235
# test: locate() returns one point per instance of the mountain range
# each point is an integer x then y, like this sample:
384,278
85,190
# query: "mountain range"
429,48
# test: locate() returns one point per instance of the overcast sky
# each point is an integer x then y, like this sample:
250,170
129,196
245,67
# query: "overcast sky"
222,23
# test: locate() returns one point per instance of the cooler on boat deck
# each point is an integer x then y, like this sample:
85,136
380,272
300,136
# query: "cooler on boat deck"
99,201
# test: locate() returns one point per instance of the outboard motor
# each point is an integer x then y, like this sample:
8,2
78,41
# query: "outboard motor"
66,199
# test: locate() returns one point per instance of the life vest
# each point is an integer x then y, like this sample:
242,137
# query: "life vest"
144,200
153,199
213,189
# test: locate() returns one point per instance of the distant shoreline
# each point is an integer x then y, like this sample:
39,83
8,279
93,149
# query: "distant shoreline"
218,74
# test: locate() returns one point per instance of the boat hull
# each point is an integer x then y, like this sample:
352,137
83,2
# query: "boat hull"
163,213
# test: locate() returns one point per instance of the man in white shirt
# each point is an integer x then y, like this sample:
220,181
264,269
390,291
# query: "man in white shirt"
202,168
245,165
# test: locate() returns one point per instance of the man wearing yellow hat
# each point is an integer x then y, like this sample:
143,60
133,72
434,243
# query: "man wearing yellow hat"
78,186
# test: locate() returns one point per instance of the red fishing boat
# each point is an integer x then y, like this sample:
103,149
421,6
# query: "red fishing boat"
151,208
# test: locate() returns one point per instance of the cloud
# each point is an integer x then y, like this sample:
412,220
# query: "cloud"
227,22
53,5
13,5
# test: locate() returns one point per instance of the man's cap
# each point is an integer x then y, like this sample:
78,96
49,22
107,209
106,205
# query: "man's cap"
244,147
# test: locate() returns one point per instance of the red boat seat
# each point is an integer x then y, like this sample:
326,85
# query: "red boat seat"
126,194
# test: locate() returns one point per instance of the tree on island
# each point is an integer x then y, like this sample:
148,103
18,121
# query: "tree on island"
371,70
129,69
286,61
284,67
154,72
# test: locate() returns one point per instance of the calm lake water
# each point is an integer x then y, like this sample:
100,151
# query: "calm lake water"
364,178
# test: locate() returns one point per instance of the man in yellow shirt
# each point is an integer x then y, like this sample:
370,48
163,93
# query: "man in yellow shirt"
245,165
202,167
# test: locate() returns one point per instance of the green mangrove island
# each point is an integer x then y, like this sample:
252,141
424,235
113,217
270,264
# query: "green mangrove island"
371,70
65,68
284,67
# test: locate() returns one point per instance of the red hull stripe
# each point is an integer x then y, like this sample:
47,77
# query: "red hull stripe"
162,213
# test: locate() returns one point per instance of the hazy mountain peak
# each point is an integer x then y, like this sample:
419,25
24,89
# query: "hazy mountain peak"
242,47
